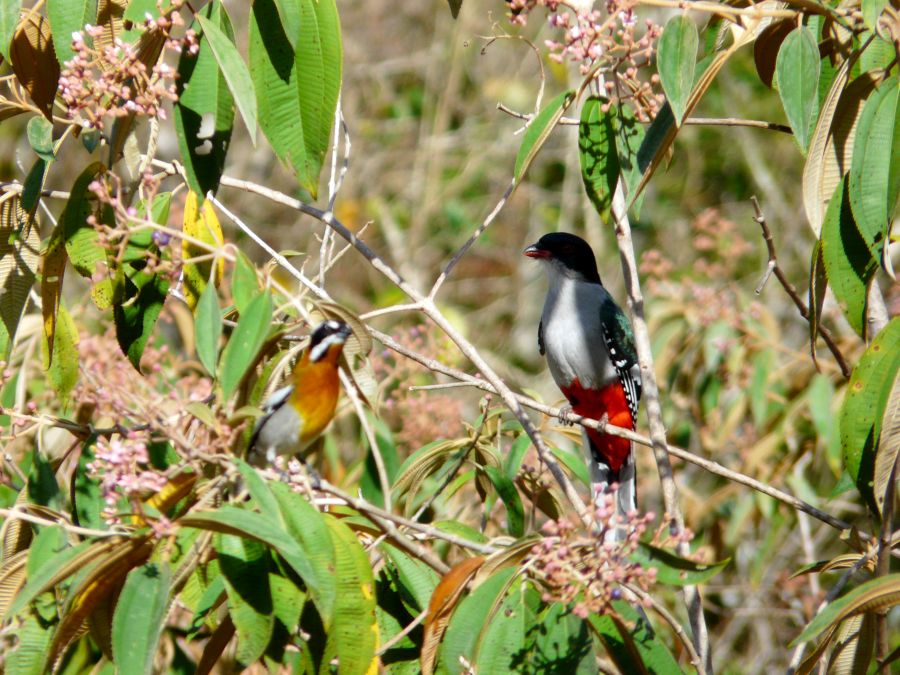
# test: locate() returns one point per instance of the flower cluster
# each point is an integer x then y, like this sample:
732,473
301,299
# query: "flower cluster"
581,568
607,40
122,78
121,465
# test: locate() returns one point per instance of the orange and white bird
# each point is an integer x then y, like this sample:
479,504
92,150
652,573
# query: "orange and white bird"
296,415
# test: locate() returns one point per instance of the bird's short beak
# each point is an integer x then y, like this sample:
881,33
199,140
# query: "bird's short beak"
534,251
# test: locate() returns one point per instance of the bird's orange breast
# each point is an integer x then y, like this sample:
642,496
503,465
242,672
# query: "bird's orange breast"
315,395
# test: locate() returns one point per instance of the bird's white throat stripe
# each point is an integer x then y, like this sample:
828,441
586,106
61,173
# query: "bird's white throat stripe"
321,349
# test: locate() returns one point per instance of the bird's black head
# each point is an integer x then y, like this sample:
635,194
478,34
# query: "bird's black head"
569,254
327,334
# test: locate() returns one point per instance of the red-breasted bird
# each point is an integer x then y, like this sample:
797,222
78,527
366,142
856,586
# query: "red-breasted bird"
590,350
295,415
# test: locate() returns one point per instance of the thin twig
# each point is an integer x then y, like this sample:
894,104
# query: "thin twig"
403,633
669,619
773,267
697,121
16,514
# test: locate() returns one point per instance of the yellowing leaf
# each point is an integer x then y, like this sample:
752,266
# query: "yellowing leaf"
200,223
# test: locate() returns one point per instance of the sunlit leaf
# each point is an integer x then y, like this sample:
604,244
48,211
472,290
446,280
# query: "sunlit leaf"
9,19
40,137
61,361
67,17
539,130
208,328
676,60
297,91
201,223
673,569
797,77
139,617
515,512
234,69
243,345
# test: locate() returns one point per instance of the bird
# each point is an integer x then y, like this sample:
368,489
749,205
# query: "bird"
589,345
296,415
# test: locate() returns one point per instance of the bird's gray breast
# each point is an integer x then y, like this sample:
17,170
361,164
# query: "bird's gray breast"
573,336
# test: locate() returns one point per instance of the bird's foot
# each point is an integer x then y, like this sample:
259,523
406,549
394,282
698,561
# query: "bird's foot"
564,412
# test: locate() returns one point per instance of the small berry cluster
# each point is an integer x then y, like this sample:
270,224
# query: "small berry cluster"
122,78
121,465
608,41
578,567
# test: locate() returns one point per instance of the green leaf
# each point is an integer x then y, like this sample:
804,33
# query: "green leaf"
244,284
245,567
309,533
629,139
353,636
563,642
416,580
259,491
797,77
234,69
631,641
818,284
43,488
244,343
40,137
471,618
67,17
204,113
297,91
875,168
675,570
515,512
862,411
32,642
136,316
597,151
208,328
676,60
289,13
9,19
503,642
62,364
34,184
83,246
539,130
849,264
574,462
512,461
871,10
140,617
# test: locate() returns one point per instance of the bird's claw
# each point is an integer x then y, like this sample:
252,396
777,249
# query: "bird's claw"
564,412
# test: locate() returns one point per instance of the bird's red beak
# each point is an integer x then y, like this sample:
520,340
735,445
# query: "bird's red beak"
534,252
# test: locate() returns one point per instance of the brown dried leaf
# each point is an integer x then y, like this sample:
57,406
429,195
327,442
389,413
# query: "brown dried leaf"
34,61
765,51
12,578
443,601
831,146
888,445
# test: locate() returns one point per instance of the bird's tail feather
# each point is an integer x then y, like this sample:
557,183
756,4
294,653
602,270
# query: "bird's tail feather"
601,479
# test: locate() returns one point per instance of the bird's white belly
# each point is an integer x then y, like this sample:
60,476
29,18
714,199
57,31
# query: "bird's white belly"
573,338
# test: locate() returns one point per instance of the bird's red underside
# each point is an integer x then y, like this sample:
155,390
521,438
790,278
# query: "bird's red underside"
594,403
